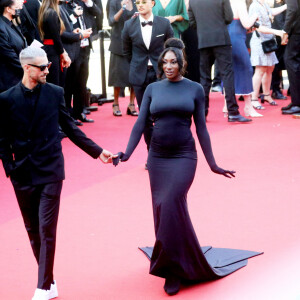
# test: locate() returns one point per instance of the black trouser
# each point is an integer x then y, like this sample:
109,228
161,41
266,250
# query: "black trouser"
76,81
276,75
39,206
223,56
292,62
139,93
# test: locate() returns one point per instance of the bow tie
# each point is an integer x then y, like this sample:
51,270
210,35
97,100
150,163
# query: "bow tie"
150,23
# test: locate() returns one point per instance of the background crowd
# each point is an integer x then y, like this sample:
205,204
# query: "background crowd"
67,30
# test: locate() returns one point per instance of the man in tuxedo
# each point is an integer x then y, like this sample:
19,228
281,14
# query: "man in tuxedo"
211,18
292,54
143,41
31,153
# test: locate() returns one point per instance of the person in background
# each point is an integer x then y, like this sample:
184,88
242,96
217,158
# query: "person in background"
175,11
143,41
210,17
264,62
51,26
119,11
12,42
241,61
292,55
277,80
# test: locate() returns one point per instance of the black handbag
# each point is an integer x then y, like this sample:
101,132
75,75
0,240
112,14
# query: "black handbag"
269,45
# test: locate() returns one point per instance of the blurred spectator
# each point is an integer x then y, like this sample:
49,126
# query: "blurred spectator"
51,26
119,11
175,11
11,43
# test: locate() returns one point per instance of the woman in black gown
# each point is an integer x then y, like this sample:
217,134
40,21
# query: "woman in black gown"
177,255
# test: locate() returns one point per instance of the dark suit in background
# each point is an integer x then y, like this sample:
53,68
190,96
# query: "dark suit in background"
31,153
278,23
79,73
292,53
211,18
11,43
141,74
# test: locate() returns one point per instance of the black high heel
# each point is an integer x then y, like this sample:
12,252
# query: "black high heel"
132,112
172,285
263,100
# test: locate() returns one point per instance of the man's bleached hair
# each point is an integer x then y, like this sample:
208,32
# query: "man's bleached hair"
29,54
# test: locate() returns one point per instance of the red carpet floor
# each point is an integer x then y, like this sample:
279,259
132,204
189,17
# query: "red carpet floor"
106,214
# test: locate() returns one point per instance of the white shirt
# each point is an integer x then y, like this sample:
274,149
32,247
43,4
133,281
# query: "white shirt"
146,33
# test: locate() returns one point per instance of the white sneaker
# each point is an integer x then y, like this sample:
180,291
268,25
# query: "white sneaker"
40,294
53,293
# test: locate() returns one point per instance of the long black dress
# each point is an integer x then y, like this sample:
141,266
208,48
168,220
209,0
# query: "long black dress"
172,164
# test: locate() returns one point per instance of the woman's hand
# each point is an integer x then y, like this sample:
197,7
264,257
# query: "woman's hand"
120,157
226,173
172,19
65,60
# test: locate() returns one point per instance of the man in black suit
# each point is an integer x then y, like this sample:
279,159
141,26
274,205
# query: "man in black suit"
278,23
76,83
292,54
211,18
30,150
143,41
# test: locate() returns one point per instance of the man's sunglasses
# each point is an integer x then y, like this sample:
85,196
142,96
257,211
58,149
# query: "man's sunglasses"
42,67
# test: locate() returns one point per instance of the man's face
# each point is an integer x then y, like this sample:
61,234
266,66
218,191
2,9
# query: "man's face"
144,6
35,73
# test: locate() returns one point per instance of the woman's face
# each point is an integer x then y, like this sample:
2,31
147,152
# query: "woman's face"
171,66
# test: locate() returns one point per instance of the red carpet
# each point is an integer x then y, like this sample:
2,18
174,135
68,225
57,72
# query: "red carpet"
106,214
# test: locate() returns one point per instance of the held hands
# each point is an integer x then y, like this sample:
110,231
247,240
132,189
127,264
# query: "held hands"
120,157
226,173
106,156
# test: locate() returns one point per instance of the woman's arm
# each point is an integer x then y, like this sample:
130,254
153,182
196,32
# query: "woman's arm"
278,10
139,125
240,8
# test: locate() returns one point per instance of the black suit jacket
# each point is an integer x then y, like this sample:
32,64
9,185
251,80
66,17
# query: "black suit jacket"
92,16
70,40
292,21
30,147
136,51
11,44
211,18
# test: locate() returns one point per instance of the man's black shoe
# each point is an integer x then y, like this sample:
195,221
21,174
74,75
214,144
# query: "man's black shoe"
238,118
84,119
287,107
78,123
278,95
292,110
